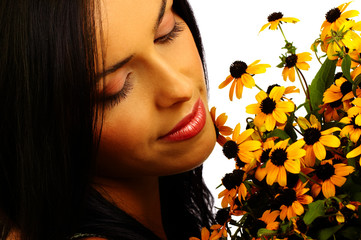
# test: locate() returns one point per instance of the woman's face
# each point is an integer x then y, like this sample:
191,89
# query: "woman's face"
156,119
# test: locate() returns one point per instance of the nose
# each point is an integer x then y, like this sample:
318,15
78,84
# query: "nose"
171,84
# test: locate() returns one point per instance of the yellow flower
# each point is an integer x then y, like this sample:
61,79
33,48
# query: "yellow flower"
329,175
298,61
221,130
284,159
242,75
316,140
333,111
276,18
262,157
341,90
240,146
335,18
353,128
270,109
293,200
269,218
344,40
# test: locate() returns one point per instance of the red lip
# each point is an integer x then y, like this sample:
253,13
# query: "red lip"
190,125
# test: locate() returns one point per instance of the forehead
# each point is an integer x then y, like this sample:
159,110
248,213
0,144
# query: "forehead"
126,24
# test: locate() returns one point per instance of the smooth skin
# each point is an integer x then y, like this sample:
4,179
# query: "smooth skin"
160,79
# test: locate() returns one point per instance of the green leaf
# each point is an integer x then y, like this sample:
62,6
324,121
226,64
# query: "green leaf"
355,84
346,66
289,128
265,232
326,233
278,133
351,233
322,81
315,210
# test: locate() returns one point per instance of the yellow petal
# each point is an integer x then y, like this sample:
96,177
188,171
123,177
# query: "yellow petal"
285,106
343,170
328,189
253,108
231,90
282,177
261,96
303,57
330,130
264,27
279,116
330,141
338,180
257,69
319,150
276,93
293,166
270,122
236,131
272,175
248,81
303,122
297,207
239,88
354,153
226,82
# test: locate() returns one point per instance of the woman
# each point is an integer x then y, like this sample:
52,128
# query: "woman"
104,122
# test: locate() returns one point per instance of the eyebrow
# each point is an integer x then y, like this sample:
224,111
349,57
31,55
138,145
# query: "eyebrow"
121,63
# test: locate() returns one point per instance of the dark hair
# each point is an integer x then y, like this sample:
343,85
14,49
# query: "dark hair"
47,123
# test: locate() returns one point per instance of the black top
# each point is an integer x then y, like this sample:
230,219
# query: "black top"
103,219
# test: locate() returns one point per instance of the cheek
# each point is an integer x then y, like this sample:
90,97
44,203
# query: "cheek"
123,142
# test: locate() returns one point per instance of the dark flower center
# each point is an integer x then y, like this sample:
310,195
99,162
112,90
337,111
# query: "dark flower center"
336,104
232,180
287,197
230,149
227,182
275,16
346,87
338,75
238,68
222,216
325,171
312,135
353,122
333,15
265,155
268,105
291,60
239,162
278,157
269,89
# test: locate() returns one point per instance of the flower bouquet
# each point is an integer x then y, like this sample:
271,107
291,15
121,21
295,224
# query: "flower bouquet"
297,175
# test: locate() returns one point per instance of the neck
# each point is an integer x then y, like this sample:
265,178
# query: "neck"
138,197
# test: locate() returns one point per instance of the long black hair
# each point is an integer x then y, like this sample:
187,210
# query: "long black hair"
48,116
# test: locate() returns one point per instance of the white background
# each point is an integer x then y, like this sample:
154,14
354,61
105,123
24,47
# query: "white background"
230,32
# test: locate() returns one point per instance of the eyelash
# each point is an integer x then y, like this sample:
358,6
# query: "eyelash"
113,100
171,35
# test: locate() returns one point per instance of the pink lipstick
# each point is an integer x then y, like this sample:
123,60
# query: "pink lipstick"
190,125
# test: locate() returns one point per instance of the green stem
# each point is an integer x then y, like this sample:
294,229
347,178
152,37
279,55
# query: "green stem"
279,25
259,88
305,175
318,59
302,77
